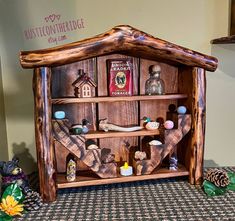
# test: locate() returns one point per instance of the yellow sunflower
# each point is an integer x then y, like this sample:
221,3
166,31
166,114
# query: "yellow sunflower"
11,207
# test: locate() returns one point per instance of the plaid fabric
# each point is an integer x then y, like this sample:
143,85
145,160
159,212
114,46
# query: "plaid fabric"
164,199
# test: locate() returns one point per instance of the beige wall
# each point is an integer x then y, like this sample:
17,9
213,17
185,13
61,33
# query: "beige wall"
188,23
3,133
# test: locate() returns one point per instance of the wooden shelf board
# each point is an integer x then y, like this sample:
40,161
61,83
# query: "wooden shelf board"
224,40
111,134
117,99
85,178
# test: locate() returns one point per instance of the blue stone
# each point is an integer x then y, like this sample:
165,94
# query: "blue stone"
59,115
181,110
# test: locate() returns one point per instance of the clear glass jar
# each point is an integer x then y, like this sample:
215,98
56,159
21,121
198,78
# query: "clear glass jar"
155,85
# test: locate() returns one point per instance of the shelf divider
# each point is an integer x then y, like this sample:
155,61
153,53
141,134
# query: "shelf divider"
85,178
70,100
112,134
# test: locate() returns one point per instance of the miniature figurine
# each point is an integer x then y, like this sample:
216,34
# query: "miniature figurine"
80,128
126,170
139,155
84,86
71,168
155,85
104,125
85,123
106,156
173,161
11,173
150,125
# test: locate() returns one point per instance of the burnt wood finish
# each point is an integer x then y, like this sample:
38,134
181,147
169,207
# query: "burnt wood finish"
60,154
120,113
183,72
224,40
185,85
85,178
198,125
122,39
167,96
158,153
44,141
76,146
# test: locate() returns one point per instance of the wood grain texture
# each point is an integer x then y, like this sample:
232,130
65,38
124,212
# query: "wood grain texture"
157,108
120,113
62,80
122,39
185,85
61,153
88,179
44,142
112,134
198,126
118,99
76,146
159,152
224,40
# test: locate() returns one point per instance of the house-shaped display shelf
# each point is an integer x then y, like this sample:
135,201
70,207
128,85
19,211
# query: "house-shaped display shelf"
55,71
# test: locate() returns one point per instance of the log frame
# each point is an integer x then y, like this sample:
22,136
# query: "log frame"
44,140
121,39
198,126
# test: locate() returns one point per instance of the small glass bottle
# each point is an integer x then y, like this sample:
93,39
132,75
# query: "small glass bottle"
155,85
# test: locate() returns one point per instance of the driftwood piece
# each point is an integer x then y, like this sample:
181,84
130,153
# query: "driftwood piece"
76,145
121,39
44,142
159,152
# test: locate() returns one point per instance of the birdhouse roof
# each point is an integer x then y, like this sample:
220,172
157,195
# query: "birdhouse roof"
122,39
82,80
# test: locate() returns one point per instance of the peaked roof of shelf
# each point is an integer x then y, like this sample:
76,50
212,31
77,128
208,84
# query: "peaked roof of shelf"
122,39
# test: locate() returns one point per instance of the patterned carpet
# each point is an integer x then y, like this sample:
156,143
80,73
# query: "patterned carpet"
164,199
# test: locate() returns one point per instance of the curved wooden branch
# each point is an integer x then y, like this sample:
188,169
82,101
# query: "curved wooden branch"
121,39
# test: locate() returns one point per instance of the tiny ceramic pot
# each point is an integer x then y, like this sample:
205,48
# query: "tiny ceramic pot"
169,124
59,115
181,110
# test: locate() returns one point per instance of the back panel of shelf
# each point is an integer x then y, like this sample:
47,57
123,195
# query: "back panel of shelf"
121,113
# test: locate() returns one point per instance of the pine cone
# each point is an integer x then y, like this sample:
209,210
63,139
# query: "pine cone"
218,177
32,201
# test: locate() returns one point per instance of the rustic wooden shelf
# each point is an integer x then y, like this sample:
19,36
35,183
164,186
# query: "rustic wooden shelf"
224,40
111,134
55,81
118,99
85,178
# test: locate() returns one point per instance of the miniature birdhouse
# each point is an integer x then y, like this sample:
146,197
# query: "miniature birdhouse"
84,86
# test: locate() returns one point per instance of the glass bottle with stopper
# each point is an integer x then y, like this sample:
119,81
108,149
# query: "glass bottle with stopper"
154,85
